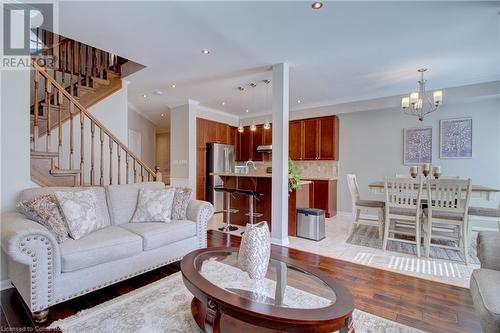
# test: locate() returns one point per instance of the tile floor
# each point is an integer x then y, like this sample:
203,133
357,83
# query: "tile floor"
334,245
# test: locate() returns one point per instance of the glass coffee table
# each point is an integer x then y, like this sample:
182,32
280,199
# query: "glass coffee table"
291,298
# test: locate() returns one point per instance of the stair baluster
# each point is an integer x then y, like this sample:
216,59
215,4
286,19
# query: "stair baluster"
71,135
36,112
82,148
92,157
110,161
126,168
48,91
101,163
118,155
59,124
72,67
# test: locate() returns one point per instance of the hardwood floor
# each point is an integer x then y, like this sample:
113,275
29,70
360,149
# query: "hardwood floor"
427,305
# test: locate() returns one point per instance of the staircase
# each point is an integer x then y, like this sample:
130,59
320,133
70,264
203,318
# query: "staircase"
70,147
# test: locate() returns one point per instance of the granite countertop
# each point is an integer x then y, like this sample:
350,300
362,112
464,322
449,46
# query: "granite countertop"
264,175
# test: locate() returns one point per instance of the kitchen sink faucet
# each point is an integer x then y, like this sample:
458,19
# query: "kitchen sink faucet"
253,165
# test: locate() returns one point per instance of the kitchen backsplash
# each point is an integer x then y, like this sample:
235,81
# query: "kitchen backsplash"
310,169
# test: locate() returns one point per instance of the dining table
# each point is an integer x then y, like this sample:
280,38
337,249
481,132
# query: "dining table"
477,191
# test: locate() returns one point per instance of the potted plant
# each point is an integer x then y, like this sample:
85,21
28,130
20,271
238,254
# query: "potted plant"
295,176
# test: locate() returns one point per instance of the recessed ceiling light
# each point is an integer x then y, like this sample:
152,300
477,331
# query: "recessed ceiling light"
299,101
158,92
144,95
205,51
223,103
163,115
172,85
317,5
246,110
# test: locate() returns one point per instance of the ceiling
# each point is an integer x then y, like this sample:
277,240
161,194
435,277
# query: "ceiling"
344,52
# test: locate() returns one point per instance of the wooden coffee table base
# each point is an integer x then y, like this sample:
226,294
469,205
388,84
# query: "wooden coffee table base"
216,322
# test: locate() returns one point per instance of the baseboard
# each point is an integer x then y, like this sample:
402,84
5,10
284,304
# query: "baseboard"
478,224
5,284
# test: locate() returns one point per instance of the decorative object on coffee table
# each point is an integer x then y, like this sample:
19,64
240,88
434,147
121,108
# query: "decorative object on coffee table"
255,250
291,298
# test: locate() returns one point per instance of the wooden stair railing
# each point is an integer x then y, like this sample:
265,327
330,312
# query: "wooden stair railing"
81,117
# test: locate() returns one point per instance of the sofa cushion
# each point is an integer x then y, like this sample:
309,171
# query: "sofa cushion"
485,290
157,234
122,200
101,246
102,207
154,205
488,249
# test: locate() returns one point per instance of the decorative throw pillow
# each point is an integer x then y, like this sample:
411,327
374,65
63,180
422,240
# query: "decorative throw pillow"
79,209
154,205
45,210
181,201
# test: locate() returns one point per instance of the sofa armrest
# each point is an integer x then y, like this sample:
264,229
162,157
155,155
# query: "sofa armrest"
200,212
32,250
488,249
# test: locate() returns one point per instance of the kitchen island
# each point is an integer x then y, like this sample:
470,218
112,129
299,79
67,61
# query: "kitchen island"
261,182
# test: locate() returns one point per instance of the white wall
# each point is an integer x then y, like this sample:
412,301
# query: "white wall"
163,155
147,129
183,145
14,141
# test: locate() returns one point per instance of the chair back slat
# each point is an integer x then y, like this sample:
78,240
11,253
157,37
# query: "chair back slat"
403,192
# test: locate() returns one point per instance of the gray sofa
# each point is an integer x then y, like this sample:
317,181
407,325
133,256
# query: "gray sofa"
485,282
46,273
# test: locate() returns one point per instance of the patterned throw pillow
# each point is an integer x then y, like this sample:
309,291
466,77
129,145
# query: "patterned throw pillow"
181,201
154,205
45,210
79,209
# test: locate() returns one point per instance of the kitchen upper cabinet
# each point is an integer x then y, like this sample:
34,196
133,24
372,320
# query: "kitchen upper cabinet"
267,137
245,145
311,139
328,138
222,131
295,140
257,139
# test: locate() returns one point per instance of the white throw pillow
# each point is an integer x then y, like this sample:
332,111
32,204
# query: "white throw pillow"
79,209
154,205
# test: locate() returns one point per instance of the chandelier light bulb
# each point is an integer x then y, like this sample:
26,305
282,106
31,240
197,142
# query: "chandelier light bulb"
414,97
438,97
405,102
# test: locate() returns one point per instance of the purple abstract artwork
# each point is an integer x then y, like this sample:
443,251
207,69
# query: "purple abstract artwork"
456,138
417,146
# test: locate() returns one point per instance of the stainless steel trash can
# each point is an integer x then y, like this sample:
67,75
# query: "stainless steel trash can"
311,223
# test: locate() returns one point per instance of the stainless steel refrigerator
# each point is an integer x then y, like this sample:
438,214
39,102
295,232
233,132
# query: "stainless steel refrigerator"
220,158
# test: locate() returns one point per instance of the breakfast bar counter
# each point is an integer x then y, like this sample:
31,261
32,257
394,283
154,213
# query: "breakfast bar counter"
261,182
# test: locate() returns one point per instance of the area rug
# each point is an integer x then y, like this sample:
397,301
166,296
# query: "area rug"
164,306
367,235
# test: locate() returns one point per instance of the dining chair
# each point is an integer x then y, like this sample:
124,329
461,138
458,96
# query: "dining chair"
373,206
402,175
446,215
403,210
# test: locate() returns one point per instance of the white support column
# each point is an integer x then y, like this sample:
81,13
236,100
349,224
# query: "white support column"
280,87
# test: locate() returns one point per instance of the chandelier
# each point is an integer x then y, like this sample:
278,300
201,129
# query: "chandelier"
420,103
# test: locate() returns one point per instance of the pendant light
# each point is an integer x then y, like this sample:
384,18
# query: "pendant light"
267,124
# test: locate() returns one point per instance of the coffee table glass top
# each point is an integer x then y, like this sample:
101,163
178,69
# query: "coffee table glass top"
284,285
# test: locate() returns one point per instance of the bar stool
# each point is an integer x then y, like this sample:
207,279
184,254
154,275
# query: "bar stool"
228,211
251,196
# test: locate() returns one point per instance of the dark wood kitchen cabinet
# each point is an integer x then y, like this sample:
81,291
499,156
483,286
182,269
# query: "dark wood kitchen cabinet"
295,140
323,195
244,145
311,139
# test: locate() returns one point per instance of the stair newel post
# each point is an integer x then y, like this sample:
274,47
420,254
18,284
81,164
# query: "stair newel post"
59,129
36,111
92,157
101,73
126,167
110,161
82,148
71,134
94,62
101,163
48,102
71,59
87,60
158,175
118,155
